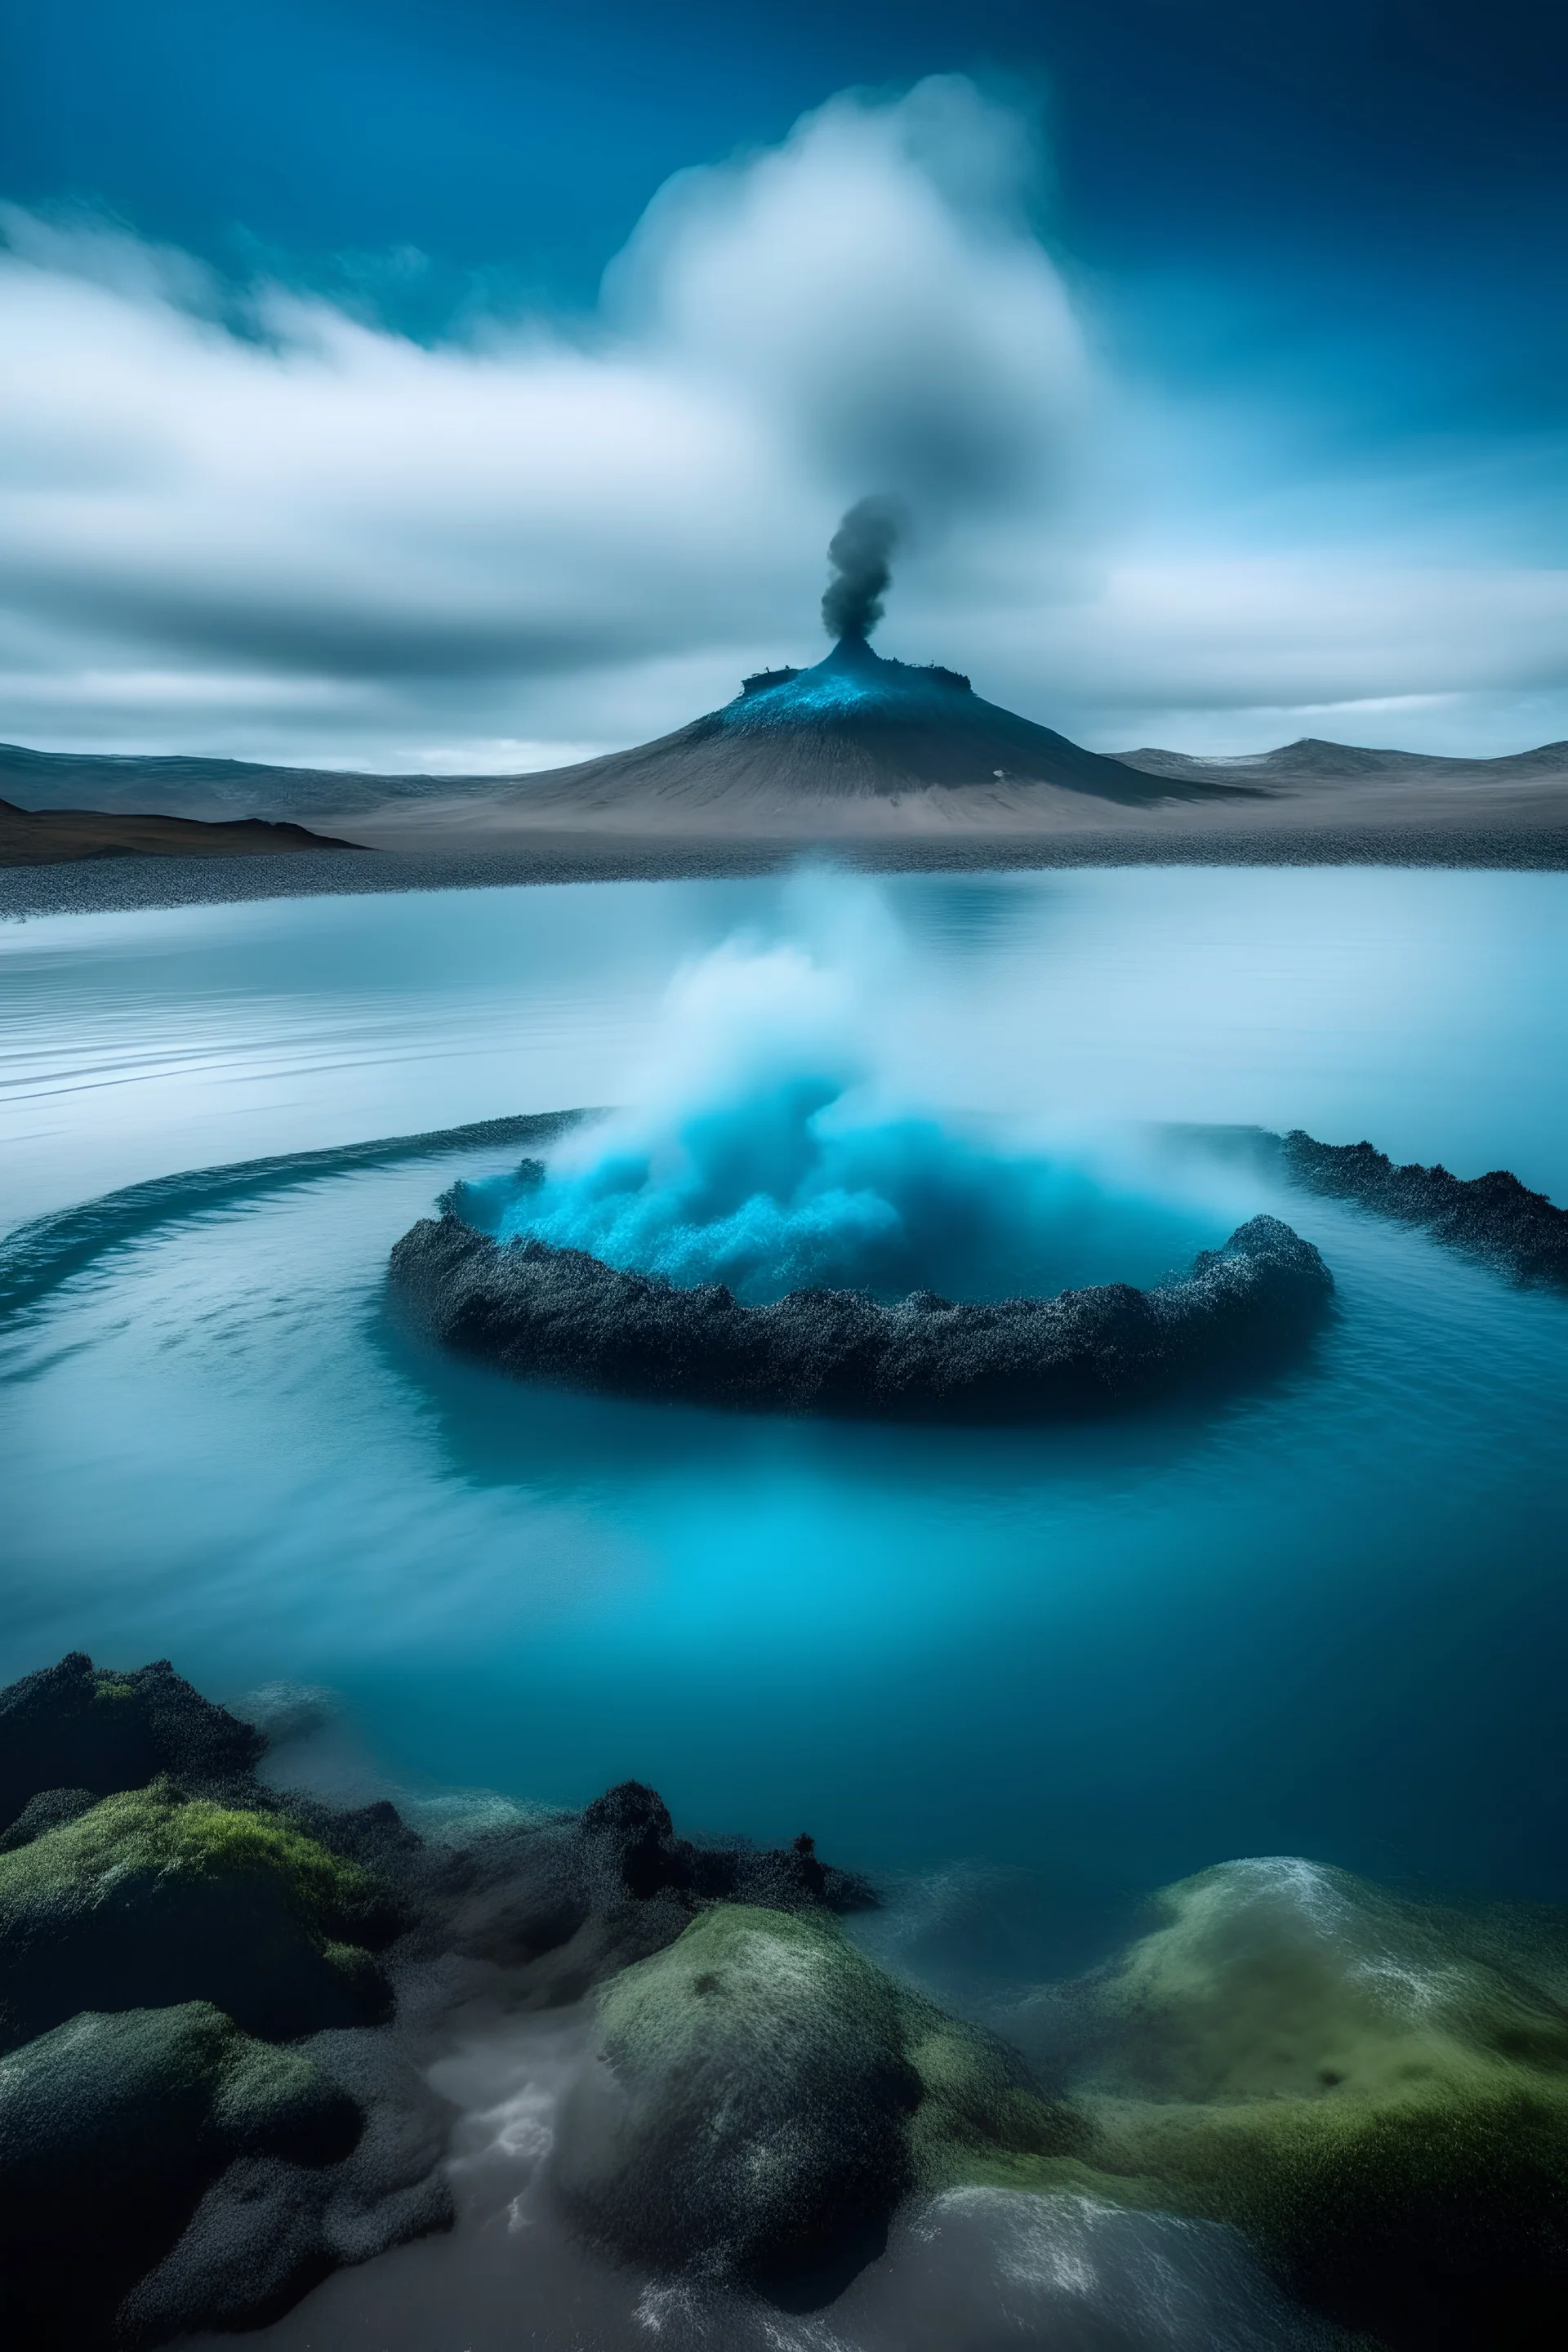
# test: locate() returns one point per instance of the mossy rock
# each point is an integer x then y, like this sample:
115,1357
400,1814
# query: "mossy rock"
76,1726
760,2097
149,1899
111,2127
1376,2090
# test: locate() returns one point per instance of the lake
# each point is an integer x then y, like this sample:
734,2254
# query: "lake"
1065,1664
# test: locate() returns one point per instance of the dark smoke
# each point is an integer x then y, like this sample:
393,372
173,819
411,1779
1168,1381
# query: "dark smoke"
859,551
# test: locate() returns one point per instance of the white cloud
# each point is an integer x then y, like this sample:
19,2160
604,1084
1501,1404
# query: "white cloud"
258,525
1233,652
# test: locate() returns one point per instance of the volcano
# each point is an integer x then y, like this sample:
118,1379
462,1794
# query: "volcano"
852,731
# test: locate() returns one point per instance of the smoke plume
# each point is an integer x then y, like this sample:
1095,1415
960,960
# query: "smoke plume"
858,552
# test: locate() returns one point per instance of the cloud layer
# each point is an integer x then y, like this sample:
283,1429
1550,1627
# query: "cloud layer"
251,522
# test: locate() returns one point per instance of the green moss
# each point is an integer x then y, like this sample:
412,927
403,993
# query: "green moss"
973,2113
980,2121
743,1970
774,1975
151,1898
154,1833
767,2095
105,1687
1297,2172
275,2101
749,2114
1376,2091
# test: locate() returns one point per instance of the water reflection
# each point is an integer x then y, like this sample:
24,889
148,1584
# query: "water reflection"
1327,1617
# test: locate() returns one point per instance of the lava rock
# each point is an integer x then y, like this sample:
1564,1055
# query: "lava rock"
177,2173
561,1314
151,1899
1494,1217
80,1727
565,1902
272,2226
761,2097
50,1809
110,2128
633,1851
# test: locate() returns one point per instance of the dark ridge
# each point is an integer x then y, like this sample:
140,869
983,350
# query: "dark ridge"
186,784
67,835
632,1839
561,1315
38,1255
70,1729
1313,759
1494,1217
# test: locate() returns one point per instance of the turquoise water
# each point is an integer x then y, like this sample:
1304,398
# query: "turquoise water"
1324,1617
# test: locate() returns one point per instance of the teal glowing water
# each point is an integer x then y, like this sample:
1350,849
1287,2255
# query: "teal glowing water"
1328,1618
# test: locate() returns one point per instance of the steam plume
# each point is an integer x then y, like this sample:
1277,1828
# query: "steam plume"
771,1148
859,551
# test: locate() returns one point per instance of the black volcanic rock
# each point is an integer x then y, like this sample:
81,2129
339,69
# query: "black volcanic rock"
560,1314
1494,1217
111,2127
633,1846
81,1728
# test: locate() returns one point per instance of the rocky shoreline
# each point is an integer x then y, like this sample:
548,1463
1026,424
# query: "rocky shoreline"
206,2101
220,2001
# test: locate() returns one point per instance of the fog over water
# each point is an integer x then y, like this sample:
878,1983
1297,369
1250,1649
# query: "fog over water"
1421,1008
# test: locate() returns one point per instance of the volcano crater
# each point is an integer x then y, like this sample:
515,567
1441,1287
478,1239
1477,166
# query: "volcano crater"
537,1311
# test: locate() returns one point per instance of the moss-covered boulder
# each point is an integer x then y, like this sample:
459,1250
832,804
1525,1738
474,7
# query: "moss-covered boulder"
760,2097
110,2130
149,1899
78,1726
1376,2090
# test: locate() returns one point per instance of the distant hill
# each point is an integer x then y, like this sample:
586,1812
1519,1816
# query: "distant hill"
136,783
1311,761
61,836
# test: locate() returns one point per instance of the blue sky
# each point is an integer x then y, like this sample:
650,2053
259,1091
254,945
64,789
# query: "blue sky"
1220,350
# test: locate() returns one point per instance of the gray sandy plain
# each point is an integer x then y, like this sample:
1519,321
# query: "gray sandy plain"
620,819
